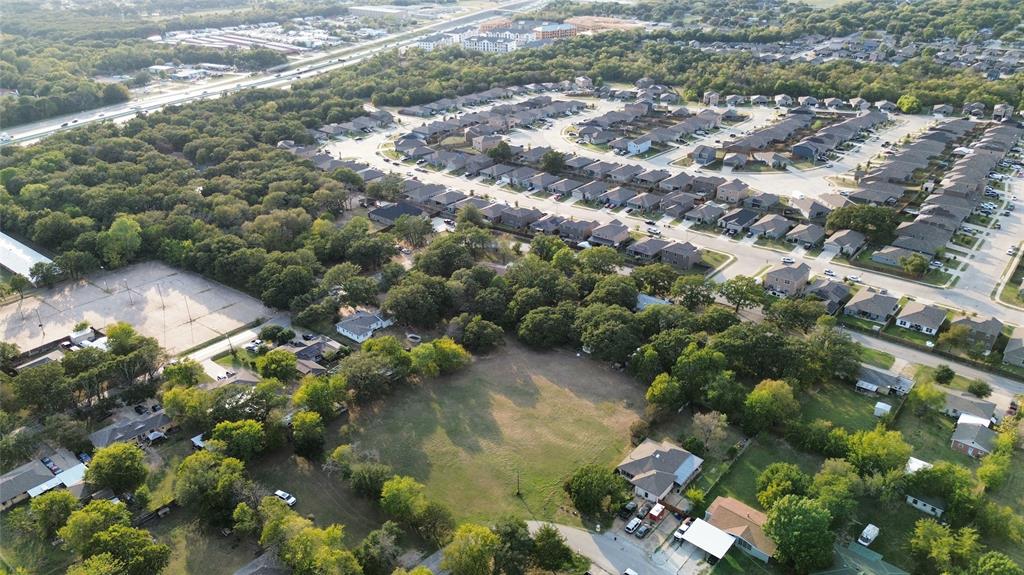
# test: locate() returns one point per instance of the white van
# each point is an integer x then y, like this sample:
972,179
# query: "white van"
629,572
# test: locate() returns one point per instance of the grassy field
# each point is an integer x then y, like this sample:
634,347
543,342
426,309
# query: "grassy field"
515,412
738,562
909,335
841,405
197,548
30,553
740,482
876,358
930,436
927,373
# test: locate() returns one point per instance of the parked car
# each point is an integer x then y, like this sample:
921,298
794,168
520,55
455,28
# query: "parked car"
633,524
140,409
627,510
788,260
650,222
653,231
156,407
854,279
643,531
413,337
830,273
644,510
286,497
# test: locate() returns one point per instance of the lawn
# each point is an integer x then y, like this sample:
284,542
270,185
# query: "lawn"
841,405
927,373
737,562
909,335
198,548
30,553
876,358
713,259
740,482
242,358
860,323
161,477
777,245
930,435
514,413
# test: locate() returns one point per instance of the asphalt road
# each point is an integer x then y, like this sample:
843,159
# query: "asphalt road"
610,551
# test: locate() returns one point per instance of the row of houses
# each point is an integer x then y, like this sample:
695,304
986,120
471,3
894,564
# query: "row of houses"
610,127
831,137
448,105
500,118
371,121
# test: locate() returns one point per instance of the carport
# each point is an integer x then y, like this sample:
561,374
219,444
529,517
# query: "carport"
709,538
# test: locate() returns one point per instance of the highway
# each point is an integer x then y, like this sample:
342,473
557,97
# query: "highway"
305,68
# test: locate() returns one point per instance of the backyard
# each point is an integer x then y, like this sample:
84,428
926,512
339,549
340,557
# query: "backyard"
741,481
515,416
841,405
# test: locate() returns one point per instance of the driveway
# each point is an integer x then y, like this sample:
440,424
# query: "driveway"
611,551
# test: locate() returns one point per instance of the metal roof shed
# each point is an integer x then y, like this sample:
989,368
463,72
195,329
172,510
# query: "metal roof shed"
709,538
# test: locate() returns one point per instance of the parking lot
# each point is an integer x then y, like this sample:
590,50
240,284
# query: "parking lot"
658,543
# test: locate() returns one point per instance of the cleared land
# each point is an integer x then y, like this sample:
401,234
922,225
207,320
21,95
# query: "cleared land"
841,405
538,415
178,308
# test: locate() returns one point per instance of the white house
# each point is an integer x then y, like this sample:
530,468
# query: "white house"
932,507
360,326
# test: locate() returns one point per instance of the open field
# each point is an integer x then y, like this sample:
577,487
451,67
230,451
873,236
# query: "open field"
198,548
930,436
877,358
178,308
466,437
841,405
30,553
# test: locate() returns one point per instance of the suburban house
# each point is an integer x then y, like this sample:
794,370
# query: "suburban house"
810,208
519,218
833,293
846,242
981,333
871,380
732,192
973,436
656,468
957,405
806,235
703,155
146,427
681,255
644,202
762,201
647,249
360,326
590,191
788,280
738,220
916,316
576,230
744,523
707,214
1013,354
612,234
772,226
931,506
891,256
871,305
677,183
616,197
388,214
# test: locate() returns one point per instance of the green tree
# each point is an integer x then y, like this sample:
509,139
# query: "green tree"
438,357
51,511
877,223
102,564
134,548
402,497
119,466
943,374
243,438
308,433
600,260
796,314
471,551
44,389
414,229
120,242
185,372
694,291
656,279
209,482
549,549
779,480
368,479
379,549
996,563
515,547
594,489
320,394
545,247
770,403
552,162
278,364
878,450
742,292
925,397
97,515
501,153
914,264
800,529
836,486
245,519
909,104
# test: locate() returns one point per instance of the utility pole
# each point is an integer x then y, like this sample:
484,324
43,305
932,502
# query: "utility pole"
519,493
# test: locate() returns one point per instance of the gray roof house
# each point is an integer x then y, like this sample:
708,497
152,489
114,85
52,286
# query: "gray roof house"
130,430
590,191
612,234
1013,354
788,281
738,219
973,438
681,255
807,235
520,218
916,316
833,293
644,202
958,404
981,333
771,226
361,325
576,230
677,183
707,214
616,196
846,242
647,249
703,155
871,305
656,468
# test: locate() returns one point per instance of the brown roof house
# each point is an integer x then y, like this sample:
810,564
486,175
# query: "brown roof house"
916,316
657,468
744,523
789,281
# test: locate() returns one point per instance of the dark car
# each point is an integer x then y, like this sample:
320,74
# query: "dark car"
156,407
642,531
308,336
650,222
140,409
644,510
627,510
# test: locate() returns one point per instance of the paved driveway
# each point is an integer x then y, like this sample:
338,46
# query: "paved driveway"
614,552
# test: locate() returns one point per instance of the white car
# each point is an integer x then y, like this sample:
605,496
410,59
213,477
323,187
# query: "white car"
854,279
633,524
935,264
788,260
286,497
653,231
830,273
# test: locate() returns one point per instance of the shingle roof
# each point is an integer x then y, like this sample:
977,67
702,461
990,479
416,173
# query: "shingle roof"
741,520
